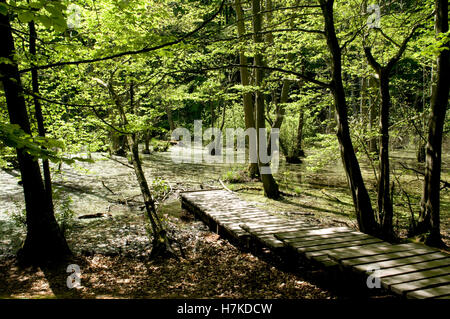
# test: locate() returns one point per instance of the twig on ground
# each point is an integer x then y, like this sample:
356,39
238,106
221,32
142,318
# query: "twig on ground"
226,188
104,185
248,189
331,196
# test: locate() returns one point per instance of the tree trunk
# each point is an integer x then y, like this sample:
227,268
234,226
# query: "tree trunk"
298,148
39,117
161,245
281,110
146,142
286,86
247,96
269,16
429,219
421,151
361,199
269,183
385,209
373,149
362,101
169,118
212,151
44,240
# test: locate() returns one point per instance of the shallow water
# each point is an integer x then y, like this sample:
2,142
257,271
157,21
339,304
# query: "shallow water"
85,184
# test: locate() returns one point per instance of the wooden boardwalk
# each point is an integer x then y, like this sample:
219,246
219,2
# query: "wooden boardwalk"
410,270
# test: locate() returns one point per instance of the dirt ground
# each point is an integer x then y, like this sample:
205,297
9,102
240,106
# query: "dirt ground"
212,268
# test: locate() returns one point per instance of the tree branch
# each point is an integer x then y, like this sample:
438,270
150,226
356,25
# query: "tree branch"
131,52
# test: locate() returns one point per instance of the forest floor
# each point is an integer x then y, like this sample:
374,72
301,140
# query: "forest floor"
112,250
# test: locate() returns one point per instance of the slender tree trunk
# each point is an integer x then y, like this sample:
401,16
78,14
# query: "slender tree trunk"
212,151
169,118
146,142
161,244
421,109
385,209
281,110
331,120
223,116
269,183
298,148
38,112
372,117
44,241
269,16
430,214
362,101
286,86
361,199
248,101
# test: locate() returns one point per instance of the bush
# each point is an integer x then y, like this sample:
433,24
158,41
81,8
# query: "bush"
234,176
160,146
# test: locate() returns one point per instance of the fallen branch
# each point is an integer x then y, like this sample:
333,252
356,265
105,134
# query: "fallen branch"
331,196
248,188
97,215
104,185
226,188
288,194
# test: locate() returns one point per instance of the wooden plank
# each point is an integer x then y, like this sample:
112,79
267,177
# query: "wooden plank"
409,268
225,221
383,257
421,284
270,242
429,292
307,233
404,261
184,193
318,237
337,245
325,261
381,248
285,231
285,224
312,254
295,242
430,273
238,214
239,219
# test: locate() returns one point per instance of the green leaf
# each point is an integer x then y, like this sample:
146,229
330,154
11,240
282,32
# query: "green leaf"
3,9
25,17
